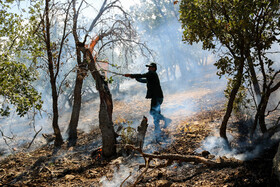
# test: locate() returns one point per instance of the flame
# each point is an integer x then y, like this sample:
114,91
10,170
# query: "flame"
99,154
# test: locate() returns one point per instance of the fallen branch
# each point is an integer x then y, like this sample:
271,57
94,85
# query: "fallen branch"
220,162
147,163
125,179
164,165
169,157
172,157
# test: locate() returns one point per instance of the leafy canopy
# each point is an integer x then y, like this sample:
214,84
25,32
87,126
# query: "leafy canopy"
237,25
19,46
244,29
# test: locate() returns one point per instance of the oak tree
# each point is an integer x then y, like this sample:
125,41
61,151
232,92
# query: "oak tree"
245,31
19,49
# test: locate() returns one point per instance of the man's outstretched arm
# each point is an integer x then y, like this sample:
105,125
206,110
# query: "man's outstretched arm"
145,75
142,80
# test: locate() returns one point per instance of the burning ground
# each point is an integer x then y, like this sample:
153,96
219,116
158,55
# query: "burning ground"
196,114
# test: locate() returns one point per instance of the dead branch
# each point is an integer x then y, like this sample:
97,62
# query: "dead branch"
125,179
34,138
147,163
223,161
172,157
164,165
49,137
102,9
273,109
5,140
63,38
64,78
4,136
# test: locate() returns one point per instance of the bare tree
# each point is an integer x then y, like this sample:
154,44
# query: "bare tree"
54,56
113,31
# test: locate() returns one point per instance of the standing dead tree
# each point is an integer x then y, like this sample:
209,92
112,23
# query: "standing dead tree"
106,103
113,31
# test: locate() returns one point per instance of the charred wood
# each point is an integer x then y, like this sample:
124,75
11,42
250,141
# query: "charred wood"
141,132
173,157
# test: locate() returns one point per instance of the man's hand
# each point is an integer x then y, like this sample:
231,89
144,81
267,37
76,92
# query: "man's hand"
127,75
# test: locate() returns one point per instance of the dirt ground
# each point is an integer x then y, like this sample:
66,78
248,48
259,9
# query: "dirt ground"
83,165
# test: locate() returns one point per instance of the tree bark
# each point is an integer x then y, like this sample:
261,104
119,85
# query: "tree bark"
233,93
81,73
58,138
141,132
105,111
106,126
72,128
254,79
260,115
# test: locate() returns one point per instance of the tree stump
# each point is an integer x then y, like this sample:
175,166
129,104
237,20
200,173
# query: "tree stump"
141,132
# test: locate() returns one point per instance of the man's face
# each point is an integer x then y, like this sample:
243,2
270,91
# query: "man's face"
152,69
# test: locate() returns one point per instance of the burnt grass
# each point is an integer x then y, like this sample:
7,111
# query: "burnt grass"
79,167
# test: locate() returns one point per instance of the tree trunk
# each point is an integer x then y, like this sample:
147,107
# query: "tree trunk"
106,126
58,138
106,110
233,93
254,79
81,73
72,128
262,116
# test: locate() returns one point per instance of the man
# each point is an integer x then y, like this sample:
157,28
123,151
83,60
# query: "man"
154,93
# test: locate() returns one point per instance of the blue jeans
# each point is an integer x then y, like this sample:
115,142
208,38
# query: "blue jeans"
155,112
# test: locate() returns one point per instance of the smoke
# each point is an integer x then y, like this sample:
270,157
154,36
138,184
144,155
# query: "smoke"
123,170
186,73
119,175
241,150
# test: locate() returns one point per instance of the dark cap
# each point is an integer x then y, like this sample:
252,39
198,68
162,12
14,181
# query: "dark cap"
152,65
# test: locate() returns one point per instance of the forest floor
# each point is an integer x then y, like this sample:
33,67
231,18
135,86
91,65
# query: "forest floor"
77,166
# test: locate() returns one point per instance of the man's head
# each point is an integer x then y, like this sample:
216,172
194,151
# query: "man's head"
152,66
